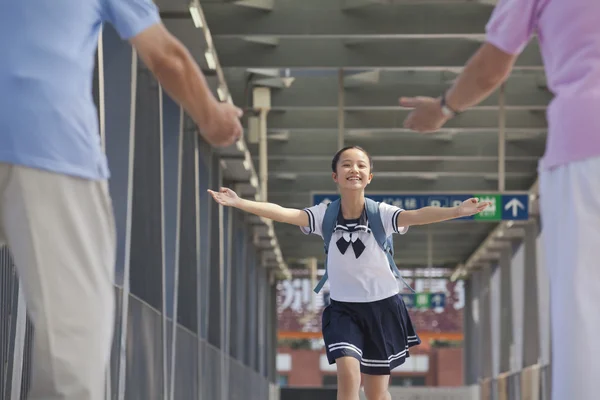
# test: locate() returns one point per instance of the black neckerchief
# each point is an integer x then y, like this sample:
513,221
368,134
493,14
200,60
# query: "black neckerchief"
350,233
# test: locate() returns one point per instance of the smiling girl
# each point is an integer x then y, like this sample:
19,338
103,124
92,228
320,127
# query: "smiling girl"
366,327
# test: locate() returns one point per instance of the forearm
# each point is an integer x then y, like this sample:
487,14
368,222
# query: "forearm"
483,74
274,212
430,215
181,78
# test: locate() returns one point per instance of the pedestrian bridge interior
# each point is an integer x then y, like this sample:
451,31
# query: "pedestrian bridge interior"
201,289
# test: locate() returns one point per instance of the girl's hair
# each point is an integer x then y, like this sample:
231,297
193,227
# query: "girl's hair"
337,156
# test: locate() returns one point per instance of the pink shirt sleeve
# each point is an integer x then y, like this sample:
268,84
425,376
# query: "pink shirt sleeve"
512,24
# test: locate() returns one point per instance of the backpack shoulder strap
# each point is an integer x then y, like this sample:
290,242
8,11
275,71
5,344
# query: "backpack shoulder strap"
386,243
327,227
375,223
329,221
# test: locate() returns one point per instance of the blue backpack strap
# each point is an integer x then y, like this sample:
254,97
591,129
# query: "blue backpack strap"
327,227
386,243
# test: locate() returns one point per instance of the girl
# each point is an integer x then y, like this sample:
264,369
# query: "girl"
366,326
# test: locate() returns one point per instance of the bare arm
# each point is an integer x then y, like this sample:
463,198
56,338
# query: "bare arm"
430,215
427,215
180,76
275,212
483,74
227,197
175,69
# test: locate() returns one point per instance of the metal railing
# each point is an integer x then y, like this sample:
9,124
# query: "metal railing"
201,371
532,383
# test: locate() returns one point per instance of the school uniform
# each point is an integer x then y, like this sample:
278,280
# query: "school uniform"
366,318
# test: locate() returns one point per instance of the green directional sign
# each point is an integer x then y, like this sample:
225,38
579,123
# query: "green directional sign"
422,300
492,213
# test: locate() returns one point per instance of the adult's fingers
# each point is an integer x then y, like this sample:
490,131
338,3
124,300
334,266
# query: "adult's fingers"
410,102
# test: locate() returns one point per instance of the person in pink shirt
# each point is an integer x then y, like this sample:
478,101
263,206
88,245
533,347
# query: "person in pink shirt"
569,172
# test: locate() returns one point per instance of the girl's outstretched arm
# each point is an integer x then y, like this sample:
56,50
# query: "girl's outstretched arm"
430,215
227,197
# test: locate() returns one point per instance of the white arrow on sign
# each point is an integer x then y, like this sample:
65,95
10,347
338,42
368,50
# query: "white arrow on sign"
515,204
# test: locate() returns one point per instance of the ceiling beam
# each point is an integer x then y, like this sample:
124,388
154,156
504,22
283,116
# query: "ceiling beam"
293,192
388,119
486,164
324,144
321,89
318,17
520,91
235,52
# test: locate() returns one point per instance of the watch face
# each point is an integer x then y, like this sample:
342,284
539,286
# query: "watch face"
447,112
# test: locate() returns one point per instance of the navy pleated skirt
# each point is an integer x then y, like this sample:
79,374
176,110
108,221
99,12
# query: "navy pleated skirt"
378,334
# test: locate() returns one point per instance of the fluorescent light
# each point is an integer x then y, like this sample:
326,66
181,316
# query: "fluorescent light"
195,12
246,165
210,59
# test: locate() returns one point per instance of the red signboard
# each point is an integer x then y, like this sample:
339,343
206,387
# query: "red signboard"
300,309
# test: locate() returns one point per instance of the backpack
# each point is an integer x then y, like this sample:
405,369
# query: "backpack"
374,218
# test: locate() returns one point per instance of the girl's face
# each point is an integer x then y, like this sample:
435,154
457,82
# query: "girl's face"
353,170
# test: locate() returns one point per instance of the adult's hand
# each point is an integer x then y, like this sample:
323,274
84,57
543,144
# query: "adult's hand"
221,127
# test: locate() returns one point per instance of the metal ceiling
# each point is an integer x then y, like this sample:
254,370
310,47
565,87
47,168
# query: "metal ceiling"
335,69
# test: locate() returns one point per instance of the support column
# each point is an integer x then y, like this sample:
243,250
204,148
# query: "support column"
205,242
237,282
262,103
226,300
486,323
172,123
471,329
251,308
262,308
18,352
501,140
531,325
119,87
269,351
274,341
215,310
242,295
263,156
506,317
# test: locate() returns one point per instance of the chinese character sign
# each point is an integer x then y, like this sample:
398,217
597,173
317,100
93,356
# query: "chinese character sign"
437,309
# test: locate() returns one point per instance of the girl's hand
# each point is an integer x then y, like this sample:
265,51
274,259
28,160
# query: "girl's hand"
472,206
225,197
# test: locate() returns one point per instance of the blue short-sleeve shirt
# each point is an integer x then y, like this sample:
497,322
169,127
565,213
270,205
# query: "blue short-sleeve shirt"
48,118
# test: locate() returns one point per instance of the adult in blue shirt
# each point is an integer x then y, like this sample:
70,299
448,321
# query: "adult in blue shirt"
55,209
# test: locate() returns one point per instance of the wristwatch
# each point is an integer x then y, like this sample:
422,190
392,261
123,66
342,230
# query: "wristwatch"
447,111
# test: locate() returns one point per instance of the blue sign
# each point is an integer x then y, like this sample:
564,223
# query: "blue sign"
515,207
504,207
409,299
438,300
